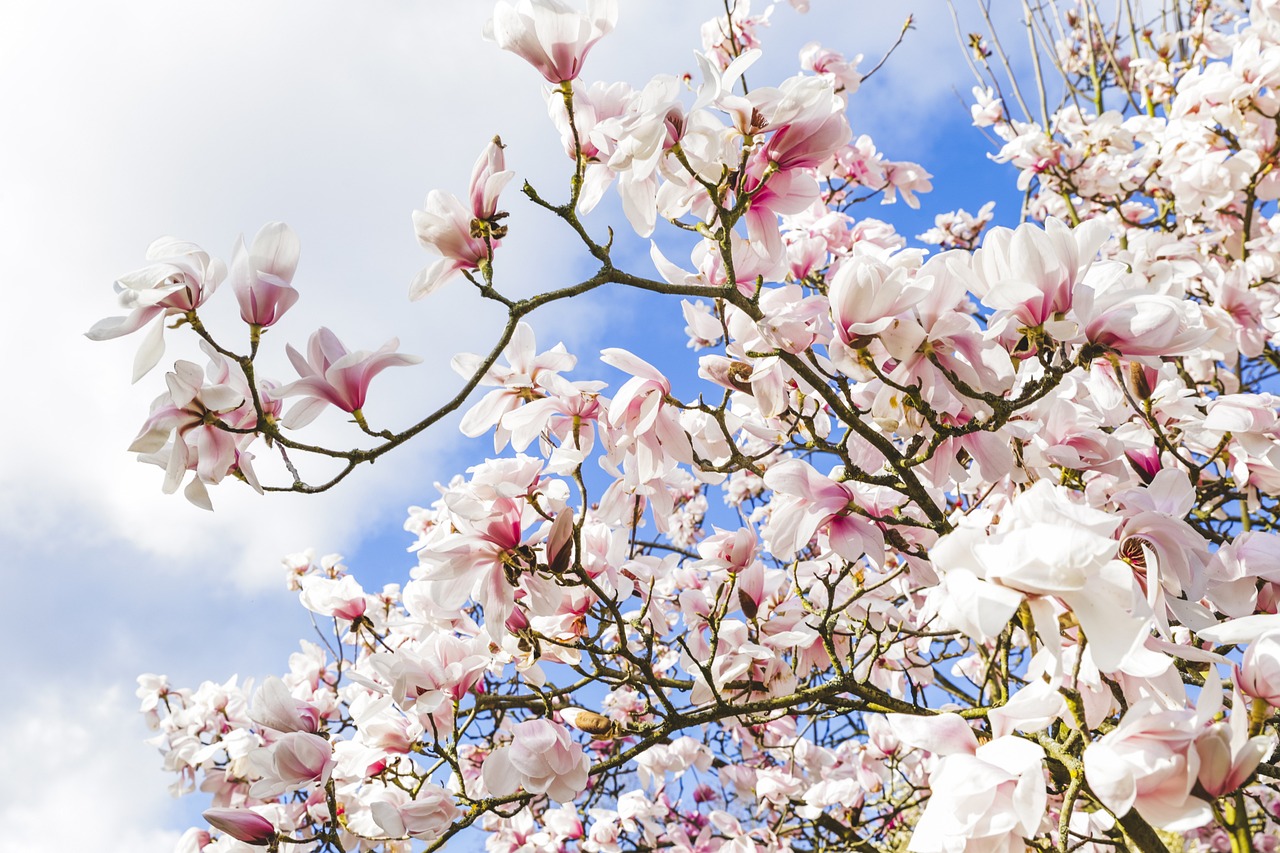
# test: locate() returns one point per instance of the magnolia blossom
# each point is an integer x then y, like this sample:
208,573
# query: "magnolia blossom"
527,377
489,177
261,275
1149,763
1260,669
808,502
869,297
426,816
341,597
480,562
428,675
983,797
333,376
1030,275
551,35
647,429
814,57
1228,756
464,238
445,227
1138,323
987,108
181,278
275,707
296,758
542,758
1047,545
182,433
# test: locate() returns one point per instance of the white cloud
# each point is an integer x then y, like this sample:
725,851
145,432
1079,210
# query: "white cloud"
77,775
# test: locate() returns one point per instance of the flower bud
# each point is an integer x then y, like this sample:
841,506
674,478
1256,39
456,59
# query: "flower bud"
1260,669
560,543
517,621
242,824
588,721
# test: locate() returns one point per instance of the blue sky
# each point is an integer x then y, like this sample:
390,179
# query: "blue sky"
204,121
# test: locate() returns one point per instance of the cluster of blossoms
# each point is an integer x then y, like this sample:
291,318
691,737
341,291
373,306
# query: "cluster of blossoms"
208,418
992,565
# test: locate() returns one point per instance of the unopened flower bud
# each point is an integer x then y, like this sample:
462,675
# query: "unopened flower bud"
1139,382
243,825
588,721
560,542
517,621
1260,669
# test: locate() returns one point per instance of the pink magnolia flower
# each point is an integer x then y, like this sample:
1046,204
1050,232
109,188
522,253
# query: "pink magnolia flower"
445,227
643,423
261,274
1147,763
772,194
527,377
427,816
568,416
1260,669
1136,323
332,375
808,140
991,795
1236,568
1228,756
489,177
429,675
946,340
543,759
676,758
805,502
181,279
631,145
1157,540
242,824
1030,274
751,262
551,35
193,841
185,413
735,659
296,759
464,239
1048,545
384,731
342,598
958,229
475,562
830,63
869,297
276,708
987,109
733,550
906,178
592,105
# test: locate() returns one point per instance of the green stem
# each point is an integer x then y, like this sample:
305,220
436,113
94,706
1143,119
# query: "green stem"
1235,819
1140,834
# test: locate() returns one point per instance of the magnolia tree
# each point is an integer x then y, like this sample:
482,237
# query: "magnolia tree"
997,566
